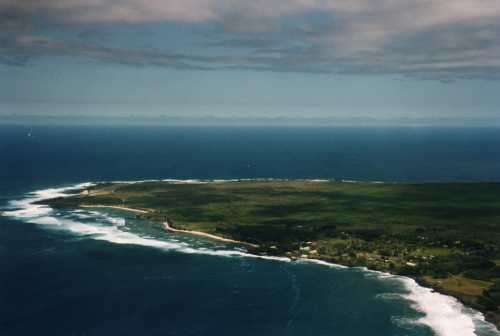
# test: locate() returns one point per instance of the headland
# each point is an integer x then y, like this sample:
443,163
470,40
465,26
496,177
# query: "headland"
446,235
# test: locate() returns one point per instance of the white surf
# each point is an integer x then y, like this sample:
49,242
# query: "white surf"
445,315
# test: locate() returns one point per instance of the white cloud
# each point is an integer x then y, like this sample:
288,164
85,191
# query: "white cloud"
443,37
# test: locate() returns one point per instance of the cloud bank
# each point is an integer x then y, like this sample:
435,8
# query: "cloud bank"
442,40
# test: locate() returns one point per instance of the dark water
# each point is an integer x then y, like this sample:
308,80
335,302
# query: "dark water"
56,282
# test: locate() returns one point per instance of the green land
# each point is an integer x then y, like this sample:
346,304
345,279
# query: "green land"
447,236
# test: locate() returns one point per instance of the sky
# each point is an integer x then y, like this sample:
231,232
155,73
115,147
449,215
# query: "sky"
355,60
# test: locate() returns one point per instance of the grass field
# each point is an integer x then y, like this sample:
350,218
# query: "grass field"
445,235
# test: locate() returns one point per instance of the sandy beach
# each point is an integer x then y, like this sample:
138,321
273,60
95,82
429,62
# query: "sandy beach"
168,227
207,235
113,207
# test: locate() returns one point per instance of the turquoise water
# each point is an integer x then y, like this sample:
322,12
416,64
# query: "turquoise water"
96,273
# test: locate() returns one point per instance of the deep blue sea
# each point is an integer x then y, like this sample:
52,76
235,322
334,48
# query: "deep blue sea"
90,273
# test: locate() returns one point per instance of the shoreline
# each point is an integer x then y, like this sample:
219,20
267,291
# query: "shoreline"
168,227
490,318
114,207
207,235
486,317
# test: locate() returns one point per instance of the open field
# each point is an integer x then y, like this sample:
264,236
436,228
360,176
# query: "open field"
445,235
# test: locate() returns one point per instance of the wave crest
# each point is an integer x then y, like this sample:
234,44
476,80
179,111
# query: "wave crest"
445,315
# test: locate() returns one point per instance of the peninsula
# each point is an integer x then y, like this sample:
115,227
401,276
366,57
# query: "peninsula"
446,236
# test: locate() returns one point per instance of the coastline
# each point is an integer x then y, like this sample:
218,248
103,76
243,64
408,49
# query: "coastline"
491,319
488,317
168,227
114,207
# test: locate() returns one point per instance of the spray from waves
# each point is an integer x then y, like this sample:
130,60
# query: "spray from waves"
29,211
27,207
322,262
443,314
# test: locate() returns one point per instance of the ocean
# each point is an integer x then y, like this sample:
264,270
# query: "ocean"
92,273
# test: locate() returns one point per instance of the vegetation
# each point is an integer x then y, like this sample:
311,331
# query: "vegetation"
445,235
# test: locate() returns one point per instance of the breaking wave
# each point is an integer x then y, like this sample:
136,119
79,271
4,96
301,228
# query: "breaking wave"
445,315
29,211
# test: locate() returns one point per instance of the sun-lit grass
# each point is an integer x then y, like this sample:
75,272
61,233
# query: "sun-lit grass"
461,285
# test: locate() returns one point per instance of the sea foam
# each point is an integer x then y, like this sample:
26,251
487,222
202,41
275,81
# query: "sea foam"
445,315
28,211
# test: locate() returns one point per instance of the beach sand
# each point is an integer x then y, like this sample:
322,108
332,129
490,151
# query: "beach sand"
113,207
207,235
168,227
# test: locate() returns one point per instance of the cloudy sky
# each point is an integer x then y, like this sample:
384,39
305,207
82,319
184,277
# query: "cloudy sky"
364,59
